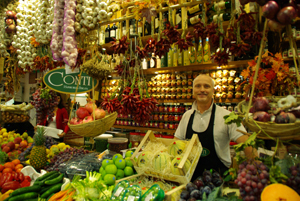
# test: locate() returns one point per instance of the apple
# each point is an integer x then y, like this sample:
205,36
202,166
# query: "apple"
23,144
87,119
17,140
6,149
3,145
11,145
9,21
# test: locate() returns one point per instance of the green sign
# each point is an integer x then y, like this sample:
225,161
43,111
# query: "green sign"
205,152
59,81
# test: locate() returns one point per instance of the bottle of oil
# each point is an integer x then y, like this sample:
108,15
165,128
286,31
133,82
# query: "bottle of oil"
206,51
200,52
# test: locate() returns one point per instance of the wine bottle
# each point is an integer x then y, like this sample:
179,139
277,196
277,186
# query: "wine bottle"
132,29
178,21
124,28
140,27
107,34
147,28
195,9
157,24
153,61
222,5
165,19
112,35
194,20
221,17
118,32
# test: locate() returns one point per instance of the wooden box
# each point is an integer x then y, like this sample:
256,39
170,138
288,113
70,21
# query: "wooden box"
172,195
194,142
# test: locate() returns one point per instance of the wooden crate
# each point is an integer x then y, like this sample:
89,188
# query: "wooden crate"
172,195
170,177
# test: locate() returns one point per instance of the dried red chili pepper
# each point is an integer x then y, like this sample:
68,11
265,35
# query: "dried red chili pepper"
121,47
221,58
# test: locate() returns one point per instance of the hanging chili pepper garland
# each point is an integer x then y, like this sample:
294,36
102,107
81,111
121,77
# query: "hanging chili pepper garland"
120,47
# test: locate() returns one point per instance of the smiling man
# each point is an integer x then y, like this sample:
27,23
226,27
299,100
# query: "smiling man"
206,119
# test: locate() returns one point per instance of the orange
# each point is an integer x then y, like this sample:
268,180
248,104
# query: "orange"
9,170
19,170
9,165
19,166
16,161
1,168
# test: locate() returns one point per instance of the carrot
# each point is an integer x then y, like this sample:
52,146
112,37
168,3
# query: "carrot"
67,196
70,198
58,195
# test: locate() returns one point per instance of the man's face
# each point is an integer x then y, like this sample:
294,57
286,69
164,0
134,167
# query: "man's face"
203,90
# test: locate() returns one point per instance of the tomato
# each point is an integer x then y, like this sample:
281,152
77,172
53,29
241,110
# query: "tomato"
16,161
9,165
7,170
19,166
1,168
19,169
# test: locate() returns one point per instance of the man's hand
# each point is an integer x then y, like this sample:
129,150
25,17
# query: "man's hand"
61,135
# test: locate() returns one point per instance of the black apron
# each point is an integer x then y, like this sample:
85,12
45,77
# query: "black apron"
209,158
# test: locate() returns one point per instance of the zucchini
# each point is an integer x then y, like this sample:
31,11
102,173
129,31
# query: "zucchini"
34,188
24,196
44,189
55,188
55,181
51,177
44,176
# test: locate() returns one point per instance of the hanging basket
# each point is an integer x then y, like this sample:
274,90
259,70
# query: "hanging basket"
95,128
269,129
273,129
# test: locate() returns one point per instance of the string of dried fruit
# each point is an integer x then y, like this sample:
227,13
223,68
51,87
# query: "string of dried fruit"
121,46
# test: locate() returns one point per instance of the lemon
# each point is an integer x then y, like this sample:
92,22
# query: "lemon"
111,169
110,179
128,171
120,163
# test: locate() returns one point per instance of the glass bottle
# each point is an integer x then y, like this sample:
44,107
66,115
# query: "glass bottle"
194,20
140,27
221,17
200,52
193,53
178,21
195,9
124,28
107,34
132,29
153,61
113,32
157,24
165,19
147,28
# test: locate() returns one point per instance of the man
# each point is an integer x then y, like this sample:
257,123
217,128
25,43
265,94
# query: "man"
206,119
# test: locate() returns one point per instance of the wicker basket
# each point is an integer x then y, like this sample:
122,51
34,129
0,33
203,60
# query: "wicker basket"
273,129
94,128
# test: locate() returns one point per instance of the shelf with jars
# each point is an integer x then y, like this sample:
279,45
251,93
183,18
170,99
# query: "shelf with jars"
146,128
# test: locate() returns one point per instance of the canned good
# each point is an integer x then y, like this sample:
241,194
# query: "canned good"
147,124
166,125
155,124
125,123
118,122
161,117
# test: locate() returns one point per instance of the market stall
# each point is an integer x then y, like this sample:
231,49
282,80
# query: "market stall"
137,64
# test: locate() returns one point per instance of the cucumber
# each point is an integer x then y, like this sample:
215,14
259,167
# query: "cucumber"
24,196
50,196
44,189
53,176
55,181
34,188
38,183
33,199
45,176
55,188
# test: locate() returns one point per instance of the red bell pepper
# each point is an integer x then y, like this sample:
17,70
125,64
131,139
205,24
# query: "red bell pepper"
25,183
5,177
11,185
19,176
28,178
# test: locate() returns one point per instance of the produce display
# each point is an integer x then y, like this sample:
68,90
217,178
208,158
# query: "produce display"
133,192
15,113
38,154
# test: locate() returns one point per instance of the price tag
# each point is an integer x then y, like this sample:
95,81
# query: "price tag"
131,198
118,192
149,197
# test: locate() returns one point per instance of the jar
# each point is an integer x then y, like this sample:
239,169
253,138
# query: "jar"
230,108
171,126
184,89
168,76
181,108
162,96
118,122
151,124
155,117
129,123
125,123
178,96
166,117
179,83
117,144
161,125
166,125
183,96
161,108
171,117
135,139
173,83
195,75
161,117
190,82
166,108
155,124
176,125
173,96
173,89
190,89
171,108
189,75
176,117
147,124
168,83
189,96
173,76
184,82
179,89
176,108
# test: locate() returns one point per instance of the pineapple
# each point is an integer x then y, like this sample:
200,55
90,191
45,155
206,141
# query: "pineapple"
38,154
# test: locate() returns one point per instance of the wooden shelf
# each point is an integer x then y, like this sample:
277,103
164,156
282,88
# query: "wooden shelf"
144,128
233,100
287,40
196,67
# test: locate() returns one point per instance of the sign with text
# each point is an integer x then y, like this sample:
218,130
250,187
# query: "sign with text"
59,81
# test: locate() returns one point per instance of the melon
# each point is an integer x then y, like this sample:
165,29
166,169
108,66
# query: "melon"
176,148
174,166
161,161
144,159
279,192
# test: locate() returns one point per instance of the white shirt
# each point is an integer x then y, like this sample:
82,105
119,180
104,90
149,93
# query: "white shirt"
52,124
223,133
